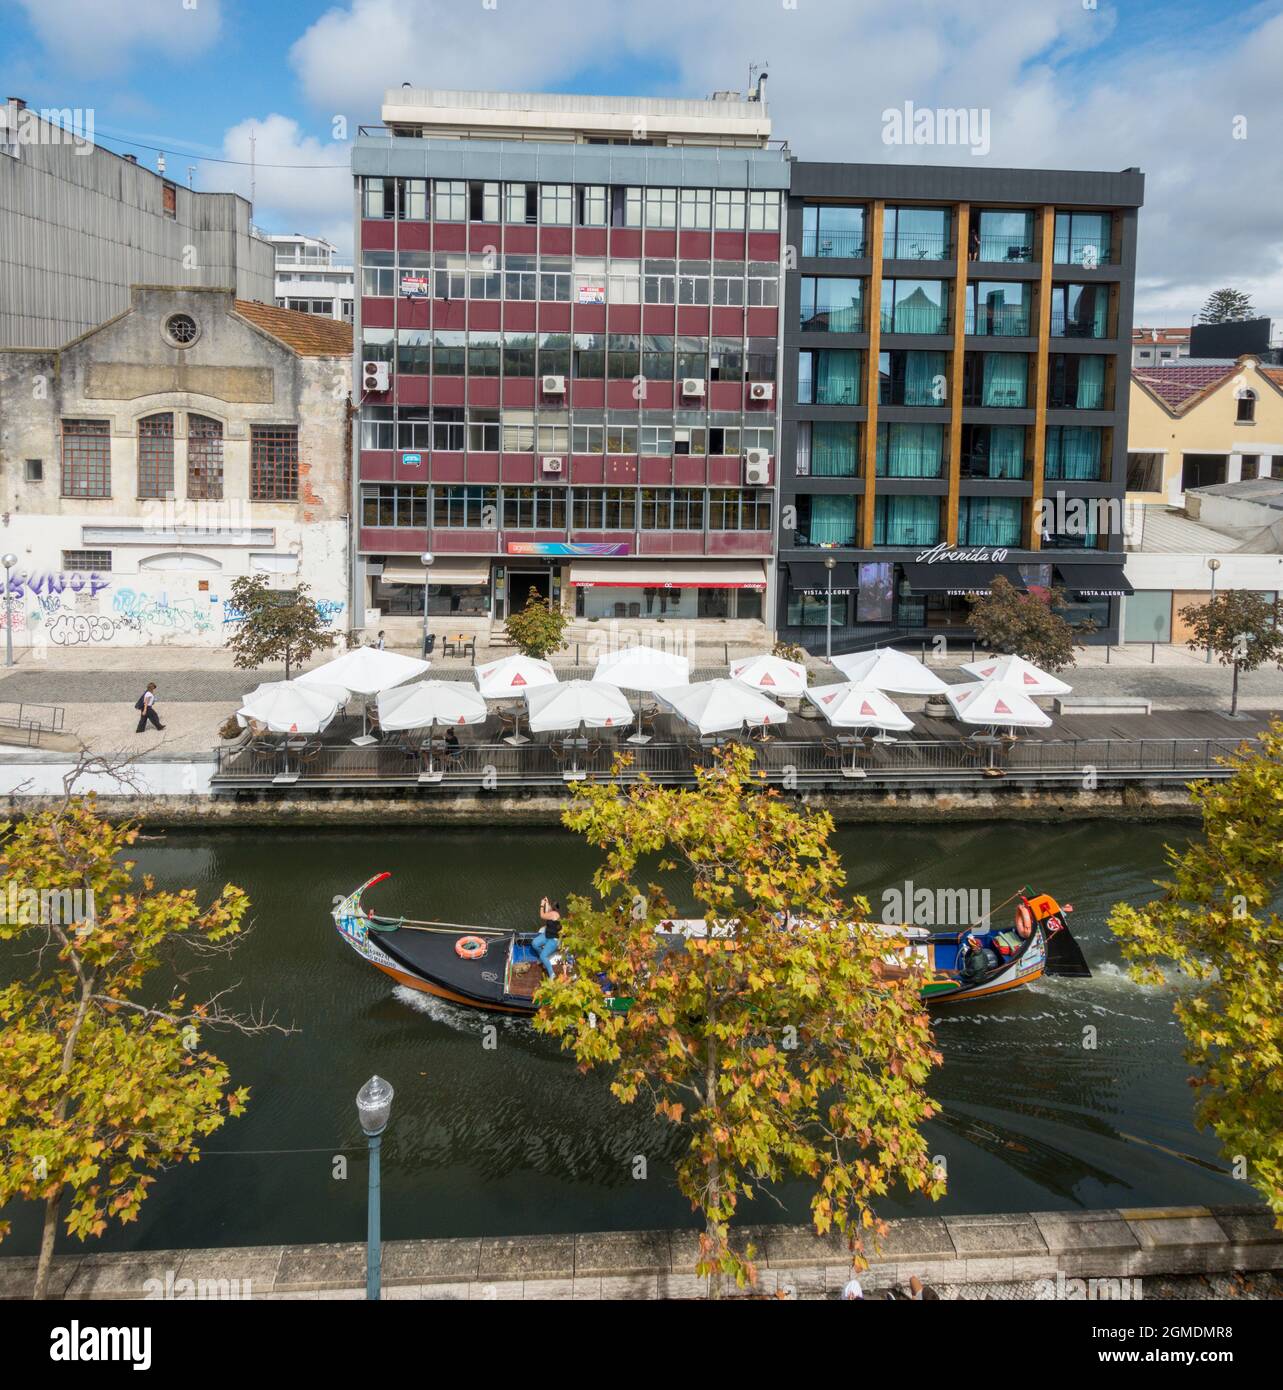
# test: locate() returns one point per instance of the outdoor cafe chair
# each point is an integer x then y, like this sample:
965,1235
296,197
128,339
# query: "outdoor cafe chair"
833,752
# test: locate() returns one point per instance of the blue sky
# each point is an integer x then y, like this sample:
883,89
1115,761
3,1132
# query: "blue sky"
1070,83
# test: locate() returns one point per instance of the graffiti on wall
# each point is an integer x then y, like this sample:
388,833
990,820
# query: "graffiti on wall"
47,583
159,615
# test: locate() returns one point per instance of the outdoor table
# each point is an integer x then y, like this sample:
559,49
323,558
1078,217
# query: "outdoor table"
509,718
363,740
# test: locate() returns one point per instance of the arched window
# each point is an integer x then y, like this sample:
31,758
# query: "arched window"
1246,408
204,458
156,455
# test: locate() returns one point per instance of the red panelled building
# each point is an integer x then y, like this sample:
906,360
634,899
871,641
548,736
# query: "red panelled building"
567,354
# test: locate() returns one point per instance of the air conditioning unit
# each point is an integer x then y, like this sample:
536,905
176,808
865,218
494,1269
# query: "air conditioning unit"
553,385
761,391
375,376
552,465
692,386
757,467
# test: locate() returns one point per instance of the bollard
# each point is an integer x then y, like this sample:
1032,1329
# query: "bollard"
1153,647
1108,649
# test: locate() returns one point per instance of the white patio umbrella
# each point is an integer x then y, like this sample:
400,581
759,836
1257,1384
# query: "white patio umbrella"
513,675
715,707
644,669
1015,670
851,706
365,671
427,704
286,707
578,705
772,675
995,703
889,669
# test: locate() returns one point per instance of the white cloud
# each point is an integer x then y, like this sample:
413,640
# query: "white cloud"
1062,87
298,183
92,37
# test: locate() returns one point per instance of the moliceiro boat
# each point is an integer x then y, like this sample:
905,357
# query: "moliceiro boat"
498,970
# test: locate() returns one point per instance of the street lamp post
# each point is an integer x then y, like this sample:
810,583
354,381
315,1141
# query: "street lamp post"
829,564
1212,565
374,1105
426,560
9,561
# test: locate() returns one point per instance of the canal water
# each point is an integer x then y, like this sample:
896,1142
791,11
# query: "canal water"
510,1139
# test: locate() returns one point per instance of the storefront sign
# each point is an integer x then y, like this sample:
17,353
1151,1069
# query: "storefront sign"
944,554
413,459
582,549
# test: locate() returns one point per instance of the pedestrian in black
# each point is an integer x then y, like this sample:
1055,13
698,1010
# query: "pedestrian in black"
146,705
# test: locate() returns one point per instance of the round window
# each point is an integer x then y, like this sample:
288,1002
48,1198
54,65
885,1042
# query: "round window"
181,329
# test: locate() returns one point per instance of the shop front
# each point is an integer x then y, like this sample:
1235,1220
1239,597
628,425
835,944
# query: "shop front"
669,590
456,587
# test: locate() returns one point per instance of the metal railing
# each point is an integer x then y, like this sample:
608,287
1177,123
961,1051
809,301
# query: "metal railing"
792,764
31,720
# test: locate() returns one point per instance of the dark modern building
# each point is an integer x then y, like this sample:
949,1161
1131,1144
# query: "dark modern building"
567,355
956,363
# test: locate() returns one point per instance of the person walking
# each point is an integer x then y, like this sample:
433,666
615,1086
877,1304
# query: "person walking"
382,639
146,705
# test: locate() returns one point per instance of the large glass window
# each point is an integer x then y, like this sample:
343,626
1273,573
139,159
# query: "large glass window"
672,509
520,277
394,504
993,451
998,308
906,521
829,377
1083,238
534,509
693,282
833,231
594,205
657,357
912,378
915,306
1001,234
604,509
623,358
554,279
915,234
156,455
910,451
483,353
483,202
661,207
989,521
518,354
995,379
826,520
273,463
464,508
205,458
448,351
1073,452
728,209
697,208
449,200
728,283
623,282
738,509
828,448
519,203
763,284
692,358
378,272
375,202
554,354
1076,382
660,282
831,305
555,203
1080,311
726,359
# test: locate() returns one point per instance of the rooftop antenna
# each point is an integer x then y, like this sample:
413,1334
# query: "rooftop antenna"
191,169
160,162
757,74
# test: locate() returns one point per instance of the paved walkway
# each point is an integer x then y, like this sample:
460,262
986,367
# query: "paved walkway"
198,688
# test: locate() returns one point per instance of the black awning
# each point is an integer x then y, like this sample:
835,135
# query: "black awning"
1094,581
960,577
806,577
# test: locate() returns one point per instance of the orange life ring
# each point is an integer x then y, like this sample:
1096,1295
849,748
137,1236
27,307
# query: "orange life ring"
470,947
1024,919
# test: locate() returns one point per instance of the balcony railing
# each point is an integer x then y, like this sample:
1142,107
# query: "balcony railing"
1004,249
1062,327
1087,252
788,762
923,246
839,245
983,466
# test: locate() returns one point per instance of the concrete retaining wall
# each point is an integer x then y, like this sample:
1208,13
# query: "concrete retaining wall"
542,807
1114,1244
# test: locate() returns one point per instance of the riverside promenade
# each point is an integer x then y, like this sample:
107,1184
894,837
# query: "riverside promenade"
1145,1252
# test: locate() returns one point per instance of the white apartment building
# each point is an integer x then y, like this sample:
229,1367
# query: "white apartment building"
310,278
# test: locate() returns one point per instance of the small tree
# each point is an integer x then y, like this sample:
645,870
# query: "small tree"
780,1051
538,629
1218,922
1227,306
274,625
1240,628
1007,621
102,1077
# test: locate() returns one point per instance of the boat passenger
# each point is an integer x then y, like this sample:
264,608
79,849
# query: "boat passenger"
977,959
545,943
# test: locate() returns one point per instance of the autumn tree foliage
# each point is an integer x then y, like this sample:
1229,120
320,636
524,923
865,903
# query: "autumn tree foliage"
781,1051
1217,921
1007,621
104,1080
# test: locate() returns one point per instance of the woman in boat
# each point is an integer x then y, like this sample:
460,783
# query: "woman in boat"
545,943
